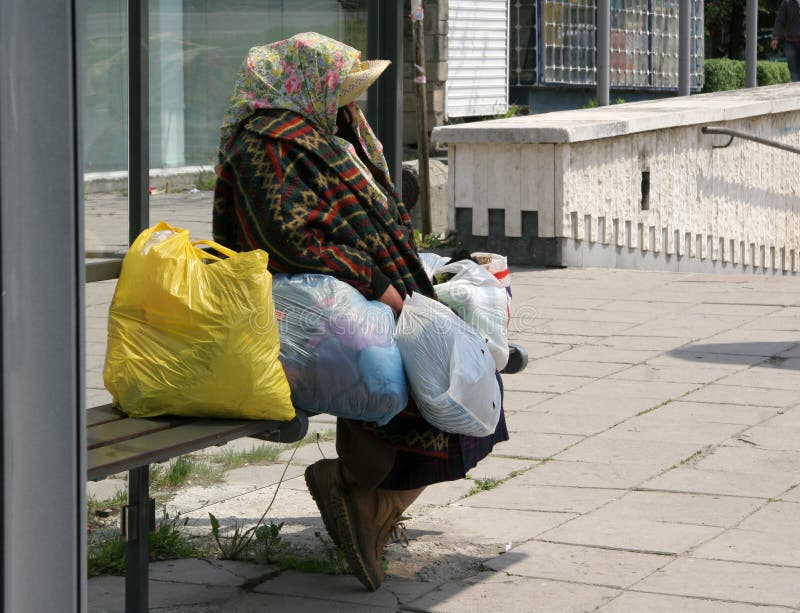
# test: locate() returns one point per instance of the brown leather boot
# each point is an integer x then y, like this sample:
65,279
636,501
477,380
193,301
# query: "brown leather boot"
323,478
365,519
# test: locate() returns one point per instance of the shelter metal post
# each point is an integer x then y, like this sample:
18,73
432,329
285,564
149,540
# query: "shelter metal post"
603,61
385,98
138,119
684,47
42,358
751,46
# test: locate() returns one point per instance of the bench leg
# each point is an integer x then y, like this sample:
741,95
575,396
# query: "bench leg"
137,549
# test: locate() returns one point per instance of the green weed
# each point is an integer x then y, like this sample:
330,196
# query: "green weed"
256,455
236,545
483,485
168,542
185,469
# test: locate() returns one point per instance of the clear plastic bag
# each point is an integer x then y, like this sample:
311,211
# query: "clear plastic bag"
450,370
480,300
338,349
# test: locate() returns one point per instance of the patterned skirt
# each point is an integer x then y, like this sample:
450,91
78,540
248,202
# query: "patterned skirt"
408,452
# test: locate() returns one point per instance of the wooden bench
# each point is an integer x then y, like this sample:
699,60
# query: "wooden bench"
116,443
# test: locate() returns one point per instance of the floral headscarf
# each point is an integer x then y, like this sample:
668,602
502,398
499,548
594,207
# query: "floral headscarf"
301,74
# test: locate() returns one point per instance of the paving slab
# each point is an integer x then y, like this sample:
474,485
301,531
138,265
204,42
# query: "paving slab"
558,423
699,509
607,567
793,495
609,403
502,594
614,475
732,581
548,384
713,412
642,535
533,445
657,390
756,546
259,603
459,523
444,493
736,394
513,495
695,355
764,377
691,479
777,436
675,374
655,427
523,400
324,588
105,489
228,573
494,467
604,354
651,344
603,448
574,368
660,603
749,459
106,594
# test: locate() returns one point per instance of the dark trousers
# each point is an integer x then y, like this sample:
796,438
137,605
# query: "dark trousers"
792,50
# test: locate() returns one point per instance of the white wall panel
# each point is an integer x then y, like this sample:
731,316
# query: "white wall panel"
477,71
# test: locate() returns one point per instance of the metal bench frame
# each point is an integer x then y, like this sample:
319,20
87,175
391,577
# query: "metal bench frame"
116,443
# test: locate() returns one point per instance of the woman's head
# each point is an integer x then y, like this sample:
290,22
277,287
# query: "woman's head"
309,73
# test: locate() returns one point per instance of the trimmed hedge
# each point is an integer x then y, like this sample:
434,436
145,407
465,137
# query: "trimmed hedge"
722,74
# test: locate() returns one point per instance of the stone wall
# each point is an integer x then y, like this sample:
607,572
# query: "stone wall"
435,28
635,185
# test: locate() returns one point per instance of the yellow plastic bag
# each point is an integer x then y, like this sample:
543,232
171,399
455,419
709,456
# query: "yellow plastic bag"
187,337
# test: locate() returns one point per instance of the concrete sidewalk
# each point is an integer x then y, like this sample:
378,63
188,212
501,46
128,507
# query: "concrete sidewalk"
653,464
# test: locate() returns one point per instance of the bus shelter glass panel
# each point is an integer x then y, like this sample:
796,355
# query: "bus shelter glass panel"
195,49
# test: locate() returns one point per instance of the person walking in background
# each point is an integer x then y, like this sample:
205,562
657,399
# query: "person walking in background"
787,27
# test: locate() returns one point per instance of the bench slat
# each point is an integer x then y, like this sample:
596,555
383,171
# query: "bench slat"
103,414
162,445
123,429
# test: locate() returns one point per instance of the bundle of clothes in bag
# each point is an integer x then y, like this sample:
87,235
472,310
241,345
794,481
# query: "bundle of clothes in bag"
346,356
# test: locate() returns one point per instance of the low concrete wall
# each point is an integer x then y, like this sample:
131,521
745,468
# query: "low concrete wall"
634,185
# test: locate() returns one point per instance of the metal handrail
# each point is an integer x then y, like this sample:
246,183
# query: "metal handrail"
737,134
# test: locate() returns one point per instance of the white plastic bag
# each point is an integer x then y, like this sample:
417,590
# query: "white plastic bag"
431,262
338,349
450,370
480,300
497,265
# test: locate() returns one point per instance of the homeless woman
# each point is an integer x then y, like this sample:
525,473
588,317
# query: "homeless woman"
303,177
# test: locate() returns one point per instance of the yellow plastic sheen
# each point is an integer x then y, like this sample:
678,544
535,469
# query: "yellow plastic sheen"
194,335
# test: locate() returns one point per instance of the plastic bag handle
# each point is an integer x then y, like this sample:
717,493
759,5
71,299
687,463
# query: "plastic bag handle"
216,247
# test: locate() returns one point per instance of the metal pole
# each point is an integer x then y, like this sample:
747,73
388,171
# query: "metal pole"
385,98
751,48
137,547
684,47
421,89
603,61
42,356
138,119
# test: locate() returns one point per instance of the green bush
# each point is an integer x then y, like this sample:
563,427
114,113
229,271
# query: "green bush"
722,74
